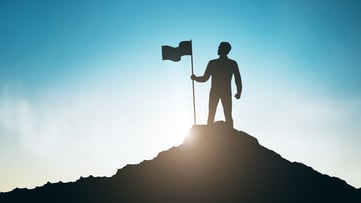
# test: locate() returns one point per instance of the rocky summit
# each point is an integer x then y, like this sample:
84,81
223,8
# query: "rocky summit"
214,164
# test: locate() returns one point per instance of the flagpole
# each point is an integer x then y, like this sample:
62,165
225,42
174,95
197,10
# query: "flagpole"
194,97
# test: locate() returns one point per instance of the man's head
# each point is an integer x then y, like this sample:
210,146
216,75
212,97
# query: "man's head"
224,48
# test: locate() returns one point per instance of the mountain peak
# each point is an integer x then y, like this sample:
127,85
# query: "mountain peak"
214,164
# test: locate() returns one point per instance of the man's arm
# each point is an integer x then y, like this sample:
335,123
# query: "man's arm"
238,80
205,77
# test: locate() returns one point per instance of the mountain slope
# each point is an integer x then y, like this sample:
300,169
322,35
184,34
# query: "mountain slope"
214,164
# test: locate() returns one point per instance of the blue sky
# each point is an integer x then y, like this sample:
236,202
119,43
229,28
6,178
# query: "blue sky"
83,89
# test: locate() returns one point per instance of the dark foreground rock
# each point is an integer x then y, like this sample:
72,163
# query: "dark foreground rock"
214,164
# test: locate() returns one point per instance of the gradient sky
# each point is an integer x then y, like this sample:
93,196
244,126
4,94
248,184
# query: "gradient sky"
83,89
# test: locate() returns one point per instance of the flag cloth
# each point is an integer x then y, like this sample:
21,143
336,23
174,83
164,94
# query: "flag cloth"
175,53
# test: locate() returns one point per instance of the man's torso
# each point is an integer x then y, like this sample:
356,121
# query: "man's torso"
221,71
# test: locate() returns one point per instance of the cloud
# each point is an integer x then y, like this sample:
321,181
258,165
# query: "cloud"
321,131
67,135
78,134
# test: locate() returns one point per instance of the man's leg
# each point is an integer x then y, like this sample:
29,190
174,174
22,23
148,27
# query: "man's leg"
212,107
227,108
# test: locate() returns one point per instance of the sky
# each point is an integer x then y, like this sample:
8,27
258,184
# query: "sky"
84,90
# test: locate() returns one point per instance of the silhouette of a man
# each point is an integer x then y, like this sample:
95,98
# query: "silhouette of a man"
221,70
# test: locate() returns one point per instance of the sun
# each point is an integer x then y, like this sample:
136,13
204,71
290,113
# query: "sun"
183,123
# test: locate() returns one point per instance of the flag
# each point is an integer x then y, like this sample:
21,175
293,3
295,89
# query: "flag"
175,53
